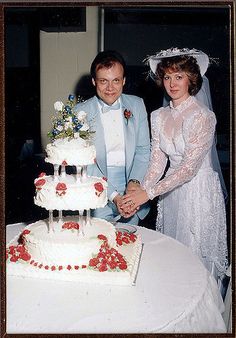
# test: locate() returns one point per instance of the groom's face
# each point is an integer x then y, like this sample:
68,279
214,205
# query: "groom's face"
109,82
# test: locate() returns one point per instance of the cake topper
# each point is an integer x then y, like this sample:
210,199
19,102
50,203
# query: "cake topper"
68,123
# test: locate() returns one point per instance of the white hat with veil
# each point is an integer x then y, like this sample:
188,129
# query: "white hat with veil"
201,57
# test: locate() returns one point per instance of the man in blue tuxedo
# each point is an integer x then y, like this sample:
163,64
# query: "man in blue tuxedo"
121,137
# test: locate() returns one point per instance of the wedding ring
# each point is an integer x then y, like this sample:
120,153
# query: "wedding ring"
132,203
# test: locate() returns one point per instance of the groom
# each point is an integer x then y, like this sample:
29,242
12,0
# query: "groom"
121,135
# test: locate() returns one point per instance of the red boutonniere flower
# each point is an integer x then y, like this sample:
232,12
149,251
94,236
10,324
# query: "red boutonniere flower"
127,114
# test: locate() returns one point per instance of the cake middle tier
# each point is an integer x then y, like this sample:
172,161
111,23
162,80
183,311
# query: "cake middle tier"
70,192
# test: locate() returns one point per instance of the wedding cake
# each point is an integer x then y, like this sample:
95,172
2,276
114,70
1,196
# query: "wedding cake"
73,248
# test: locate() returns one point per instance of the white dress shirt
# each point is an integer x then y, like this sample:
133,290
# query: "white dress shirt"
112,122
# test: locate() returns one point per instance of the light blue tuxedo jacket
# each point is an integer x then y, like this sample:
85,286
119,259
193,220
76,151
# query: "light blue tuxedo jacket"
137,140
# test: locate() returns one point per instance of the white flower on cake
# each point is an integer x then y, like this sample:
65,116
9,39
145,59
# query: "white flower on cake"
58,106
59,128
68,125
67,122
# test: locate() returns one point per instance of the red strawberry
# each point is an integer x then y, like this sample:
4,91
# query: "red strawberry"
14,258
112,265
102,267
125,240
119,241
20,248
25,256
123,266
102,237
133,238
93,262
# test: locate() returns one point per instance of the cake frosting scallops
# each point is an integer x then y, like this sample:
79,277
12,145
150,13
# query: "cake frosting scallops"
73,248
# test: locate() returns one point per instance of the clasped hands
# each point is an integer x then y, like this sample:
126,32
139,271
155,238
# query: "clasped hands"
129,203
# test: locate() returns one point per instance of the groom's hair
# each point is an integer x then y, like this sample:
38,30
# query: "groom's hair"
106,59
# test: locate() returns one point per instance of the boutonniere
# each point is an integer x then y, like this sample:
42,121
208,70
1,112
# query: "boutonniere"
127,114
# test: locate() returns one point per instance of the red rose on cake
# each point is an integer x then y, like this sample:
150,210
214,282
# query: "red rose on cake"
99,188
70,225
61,189
39,183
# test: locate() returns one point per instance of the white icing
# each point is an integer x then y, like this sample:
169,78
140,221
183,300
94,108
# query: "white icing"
66,247
75,151
79,195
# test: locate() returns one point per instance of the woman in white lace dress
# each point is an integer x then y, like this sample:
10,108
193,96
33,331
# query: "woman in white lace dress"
191,205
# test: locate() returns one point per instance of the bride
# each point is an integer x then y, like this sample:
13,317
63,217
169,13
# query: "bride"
191,204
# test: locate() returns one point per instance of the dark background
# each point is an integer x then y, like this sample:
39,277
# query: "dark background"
135,32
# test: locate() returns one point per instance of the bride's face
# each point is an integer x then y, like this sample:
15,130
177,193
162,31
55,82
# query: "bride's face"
176,85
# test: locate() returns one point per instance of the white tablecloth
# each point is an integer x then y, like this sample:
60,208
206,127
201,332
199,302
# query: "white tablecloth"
173,293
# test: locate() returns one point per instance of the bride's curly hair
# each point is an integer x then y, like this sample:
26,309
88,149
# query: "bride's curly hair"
183,63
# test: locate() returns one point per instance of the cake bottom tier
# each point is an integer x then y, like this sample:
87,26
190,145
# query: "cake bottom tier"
75,251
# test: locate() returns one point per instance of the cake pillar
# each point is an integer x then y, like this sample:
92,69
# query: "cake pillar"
63,170
50,222
78,172
81,221
84,173
88,217
60,216
56,171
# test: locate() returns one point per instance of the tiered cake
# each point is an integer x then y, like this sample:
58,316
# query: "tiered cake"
80,247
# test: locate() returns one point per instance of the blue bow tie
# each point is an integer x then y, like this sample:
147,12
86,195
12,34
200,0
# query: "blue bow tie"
107,108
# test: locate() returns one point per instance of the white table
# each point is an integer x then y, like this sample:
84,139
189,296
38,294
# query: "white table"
173,293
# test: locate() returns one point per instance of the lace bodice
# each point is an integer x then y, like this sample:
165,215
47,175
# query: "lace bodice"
184,135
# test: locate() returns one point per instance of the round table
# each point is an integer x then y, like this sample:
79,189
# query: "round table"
173,293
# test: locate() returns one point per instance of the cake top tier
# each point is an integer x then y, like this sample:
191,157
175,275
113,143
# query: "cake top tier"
68,123
71,138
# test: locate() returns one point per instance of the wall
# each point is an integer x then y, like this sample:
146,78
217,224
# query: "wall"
64,59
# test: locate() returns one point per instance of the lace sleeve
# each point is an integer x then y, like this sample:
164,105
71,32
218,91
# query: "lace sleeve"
198,132
158,159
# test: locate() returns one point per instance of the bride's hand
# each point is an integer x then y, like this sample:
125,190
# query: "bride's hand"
134,199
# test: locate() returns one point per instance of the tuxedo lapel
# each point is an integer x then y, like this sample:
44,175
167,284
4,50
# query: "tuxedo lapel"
94,119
